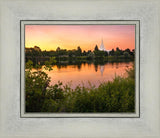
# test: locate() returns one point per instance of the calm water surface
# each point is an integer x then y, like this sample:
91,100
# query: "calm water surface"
85,73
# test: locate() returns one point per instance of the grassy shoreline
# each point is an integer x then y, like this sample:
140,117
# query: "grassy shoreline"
112,96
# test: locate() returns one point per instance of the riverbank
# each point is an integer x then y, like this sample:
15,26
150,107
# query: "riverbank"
77,60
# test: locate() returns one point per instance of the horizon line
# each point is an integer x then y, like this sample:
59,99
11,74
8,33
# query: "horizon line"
76,48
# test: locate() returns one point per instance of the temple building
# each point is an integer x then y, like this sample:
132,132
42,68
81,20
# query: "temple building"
102,48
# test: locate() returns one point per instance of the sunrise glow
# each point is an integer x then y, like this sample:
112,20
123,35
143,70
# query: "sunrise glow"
49,37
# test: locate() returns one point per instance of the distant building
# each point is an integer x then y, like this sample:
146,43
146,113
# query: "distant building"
102,48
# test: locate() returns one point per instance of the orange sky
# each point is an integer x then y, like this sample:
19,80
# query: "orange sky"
49,37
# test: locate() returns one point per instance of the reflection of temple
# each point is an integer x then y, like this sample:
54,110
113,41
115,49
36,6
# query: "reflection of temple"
102,69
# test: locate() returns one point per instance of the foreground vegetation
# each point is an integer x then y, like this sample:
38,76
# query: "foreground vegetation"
113,96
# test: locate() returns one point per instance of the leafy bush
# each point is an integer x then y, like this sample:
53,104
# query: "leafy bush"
112,96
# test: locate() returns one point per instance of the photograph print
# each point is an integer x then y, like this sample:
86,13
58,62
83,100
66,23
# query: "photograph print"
79,68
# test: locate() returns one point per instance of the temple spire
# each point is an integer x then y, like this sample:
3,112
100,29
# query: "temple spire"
102,48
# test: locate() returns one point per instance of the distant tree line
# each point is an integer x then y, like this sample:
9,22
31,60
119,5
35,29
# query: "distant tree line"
62,54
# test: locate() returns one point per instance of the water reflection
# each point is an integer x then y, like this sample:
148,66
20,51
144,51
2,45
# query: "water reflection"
96,67
81,73
102,69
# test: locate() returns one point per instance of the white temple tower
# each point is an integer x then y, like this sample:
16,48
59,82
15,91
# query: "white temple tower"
102,48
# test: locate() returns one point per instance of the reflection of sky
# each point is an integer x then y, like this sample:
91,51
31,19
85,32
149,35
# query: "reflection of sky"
91,73
49,37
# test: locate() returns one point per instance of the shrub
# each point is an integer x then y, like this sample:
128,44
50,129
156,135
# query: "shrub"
112,96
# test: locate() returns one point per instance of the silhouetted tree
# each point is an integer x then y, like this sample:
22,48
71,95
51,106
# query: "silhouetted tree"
127,50
79,51
117,54
126,54
84,53
58,49
96,48
106,53
112,52
117,49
